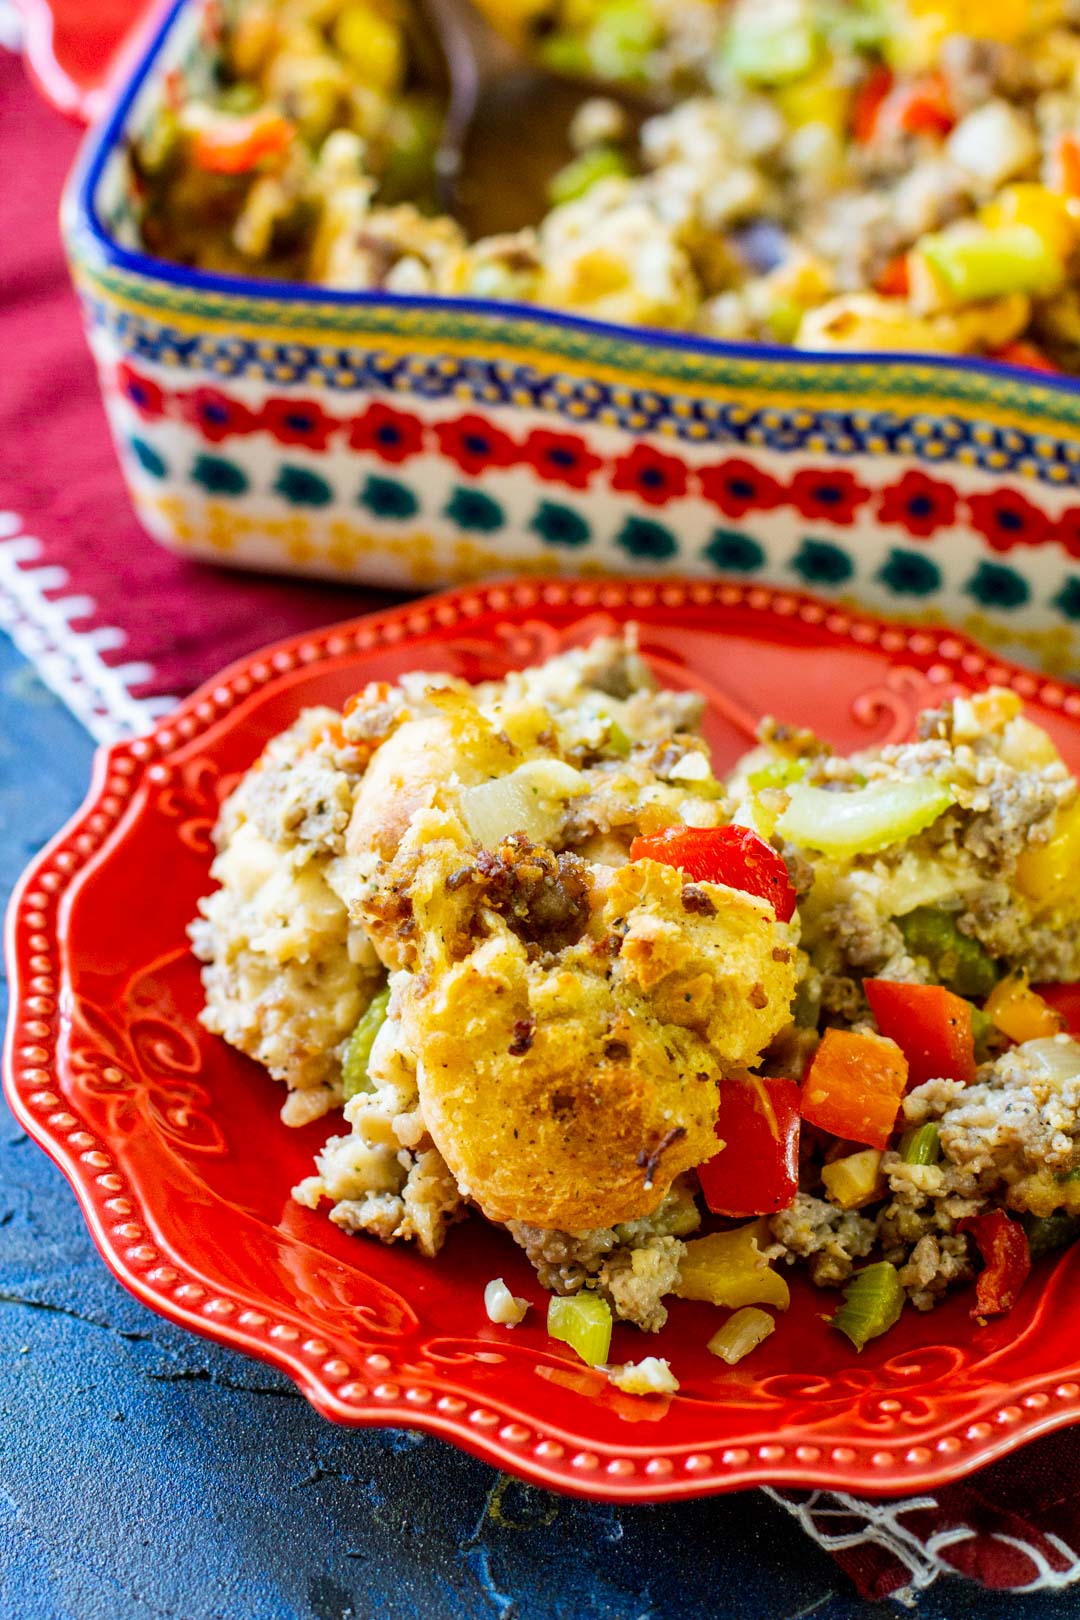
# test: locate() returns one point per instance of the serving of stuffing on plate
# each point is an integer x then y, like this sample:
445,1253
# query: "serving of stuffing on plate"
559,974
833,174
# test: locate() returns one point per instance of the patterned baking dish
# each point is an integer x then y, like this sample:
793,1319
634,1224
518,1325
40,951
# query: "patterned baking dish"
414,440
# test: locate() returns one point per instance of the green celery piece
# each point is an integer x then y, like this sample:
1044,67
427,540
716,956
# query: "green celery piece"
583,1321
991,262
958,961
1045,1233
862,26
784,320
159,148
580,175
241,97
981,1028
777,773
921,1146
413,135
758,53
565,53
873,1300
862,821
354,1068
621,39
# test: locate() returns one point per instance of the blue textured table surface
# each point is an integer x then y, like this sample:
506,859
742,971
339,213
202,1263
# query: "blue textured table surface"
146,1473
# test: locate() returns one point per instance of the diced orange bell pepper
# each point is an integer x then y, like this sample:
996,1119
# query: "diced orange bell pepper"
1020,1012
854,1085
1067,163
1024,354
895,280
931,1026
236,145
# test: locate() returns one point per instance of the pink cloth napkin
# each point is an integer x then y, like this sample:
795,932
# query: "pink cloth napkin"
120,628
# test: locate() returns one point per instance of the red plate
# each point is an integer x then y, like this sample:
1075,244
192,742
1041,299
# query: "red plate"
173,1145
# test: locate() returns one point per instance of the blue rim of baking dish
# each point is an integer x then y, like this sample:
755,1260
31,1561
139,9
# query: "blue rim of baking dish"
87,222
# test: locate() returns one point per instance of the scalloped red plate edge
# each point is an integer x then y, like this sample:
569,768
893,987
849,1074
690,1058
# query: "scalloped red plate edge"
36,912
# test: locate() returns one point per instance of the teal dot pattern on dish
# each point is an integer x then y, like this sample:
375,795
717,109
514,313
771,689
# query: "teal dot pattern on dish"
472,509
820,562
302,487
910,573
148,458
641,537
559,525
388,498
218,476
998,586
734,553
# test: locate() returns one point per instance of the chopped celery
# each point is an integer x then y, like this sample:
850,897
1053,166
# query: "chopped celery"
728,1268
981,1028
980,262
621,38
580,175
583,1321
740,1334
958,961
921,1146
241,97
860,25
758,52
777,773
864,820
563,52
354,1068
1046,1233
412,135
873,1300
784,319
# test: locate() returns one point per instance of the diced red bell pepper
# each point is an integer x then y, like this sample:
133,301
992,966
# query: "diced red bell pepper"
930,1025
1006,1256
757,1172
1024,354
735,856
1065,1000
922,108
895,280
854,1085
868,102
237,144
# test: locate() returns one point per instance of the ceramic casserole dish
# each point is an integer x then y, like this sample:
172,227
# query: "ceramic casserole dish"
415,440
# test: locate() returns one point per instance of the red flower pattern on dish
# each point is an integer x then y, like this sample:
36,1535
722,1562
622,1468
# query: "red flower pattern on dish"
829,495
215,414
919,503
389,434
1007,519
651,475
147,398
738,487
1067,530
298,421
561,458
475,444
